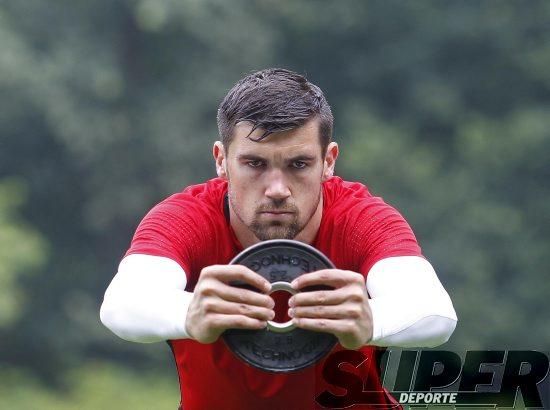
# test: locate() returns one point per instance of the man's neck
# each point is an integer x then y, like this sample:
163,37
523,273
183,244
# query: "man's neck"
307,235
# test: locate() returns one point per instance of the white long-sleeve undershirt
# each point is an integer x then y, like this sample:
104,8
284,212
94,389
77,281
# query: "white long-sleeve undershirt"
410,307
146,302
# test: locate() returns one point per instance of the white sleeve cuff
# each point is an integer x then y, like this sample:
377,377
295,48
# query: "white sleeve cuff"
410,307
146,301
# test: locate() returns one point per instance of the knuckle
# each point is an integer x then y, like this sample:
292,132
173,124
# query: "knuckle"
322,297
240,274
324,276
244,309
320,311
351,327
240,296
359,311
242,271
208,271
207,289
358,278
208,305
204,272
354,312
356,295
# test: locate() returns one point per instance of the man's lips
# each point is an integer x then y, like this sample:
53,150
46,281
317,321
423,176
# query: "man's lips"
276,212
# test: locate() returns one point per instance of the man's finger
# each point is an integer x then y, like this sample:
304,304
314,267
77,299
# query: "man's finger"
221,321
238,295
329,312
235,273
319,297
328,277
231,308
334,326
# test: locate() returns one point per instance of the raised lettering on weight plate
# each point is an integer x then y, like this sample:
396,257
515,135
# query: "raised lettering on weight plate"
279,259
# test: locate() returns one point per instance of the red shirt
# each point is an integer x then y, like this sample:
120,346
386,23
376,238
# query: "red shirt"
192,228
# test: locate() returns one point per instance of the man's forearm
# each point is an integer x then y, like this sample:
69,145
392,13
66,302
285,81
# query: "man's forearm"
410,307
146,301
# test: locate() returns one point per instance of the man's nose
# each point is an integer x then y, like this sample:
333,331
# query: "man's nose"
277,187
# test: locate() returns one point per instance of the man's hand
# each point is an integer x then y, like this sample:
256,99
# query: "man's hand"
343,311
217,306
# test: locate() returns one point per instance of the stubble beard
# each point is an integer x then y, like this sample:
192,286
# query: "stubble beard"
276,229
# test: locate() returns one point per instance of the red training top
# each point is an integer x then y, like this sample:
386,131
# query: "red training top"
192,228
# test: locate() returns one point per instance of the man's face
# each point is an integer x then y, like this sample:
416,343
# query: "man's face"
274,185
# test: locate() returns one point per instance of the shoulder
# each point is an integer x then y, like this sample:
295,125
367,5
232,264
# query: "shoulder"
194,213
348,203
336,189
212,189
183,226
364,228
349,199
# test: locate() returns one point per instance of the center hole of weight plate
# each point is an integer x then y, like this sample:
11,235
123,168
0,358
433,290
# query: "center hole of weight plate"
281,293
281,298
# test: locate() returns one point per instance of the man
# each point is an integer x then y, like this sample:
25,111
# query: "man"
275,165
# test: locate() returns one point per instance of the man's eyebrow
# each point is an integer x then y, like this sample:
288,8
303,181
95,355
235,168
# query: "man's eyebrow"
302,157
256,157
249,157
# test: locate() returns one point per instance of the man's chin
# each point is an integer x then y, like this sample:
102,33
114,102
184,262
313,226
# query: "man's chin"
263,236
275,232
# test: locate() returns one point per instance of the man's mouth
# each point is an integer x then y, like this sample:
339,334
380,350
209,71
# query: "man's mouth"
276,212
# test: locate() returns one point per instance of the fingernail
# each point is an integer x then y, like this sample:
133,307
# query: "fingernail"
271,315
291,302
271,303
291,312
294,283
267,287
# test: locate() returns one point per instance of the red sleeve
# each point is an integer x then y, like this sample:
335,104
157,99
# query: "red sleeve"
379,231
177,229
359,229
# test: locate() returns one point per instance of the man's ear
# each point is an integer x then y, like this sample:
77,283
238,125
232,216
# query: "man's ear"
330,160
219,157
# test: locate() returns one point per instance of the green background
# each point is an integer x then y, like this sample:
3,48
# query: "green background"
106,107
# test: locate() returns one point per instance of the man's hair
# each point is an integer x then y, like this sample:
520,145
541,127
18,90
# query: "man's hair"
274,100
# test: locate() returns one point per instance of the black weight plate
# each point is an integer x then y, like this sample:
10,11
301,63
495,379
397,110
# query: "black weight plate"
280,260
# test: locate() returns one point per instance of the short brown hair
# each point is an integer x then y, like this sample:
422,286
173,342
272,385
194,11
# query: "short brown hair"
274,100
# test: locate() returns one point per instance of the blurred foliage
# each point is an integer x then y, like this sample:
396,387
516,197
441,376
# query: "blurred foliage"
93,386
21,251
442,108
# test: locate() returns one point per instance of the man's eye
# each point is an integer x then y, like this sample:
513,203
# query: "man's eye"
255,164
299,164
